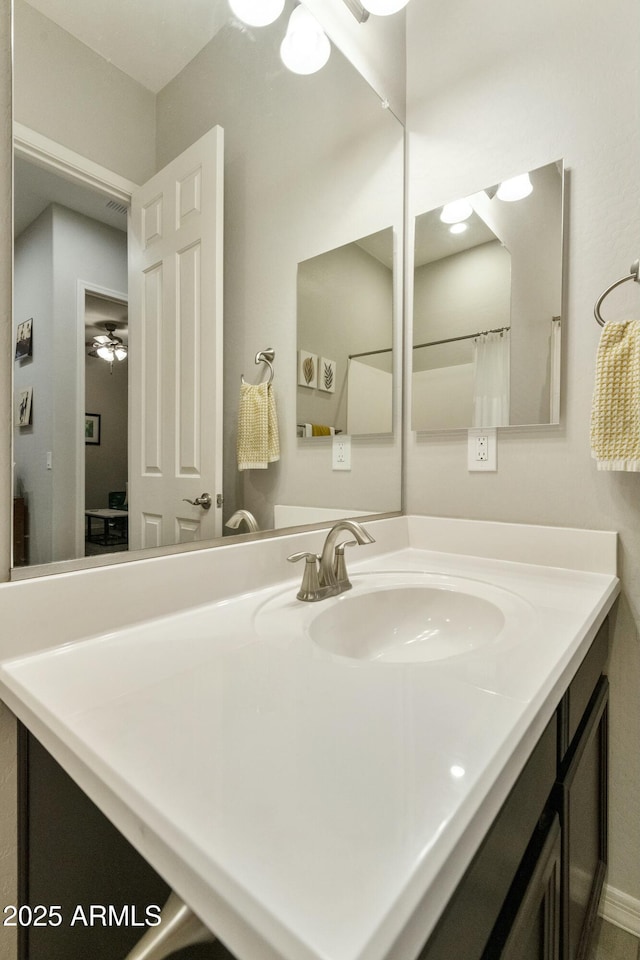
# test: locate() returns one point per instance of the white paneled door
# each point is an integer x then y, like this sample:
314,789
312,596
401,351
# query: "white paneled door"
175,349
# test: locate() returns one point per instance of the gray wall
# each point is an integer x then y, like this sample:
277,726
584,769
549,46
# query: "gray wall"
458,295
284,203
59,251
344,306
70,94
106,393
530,83
33,297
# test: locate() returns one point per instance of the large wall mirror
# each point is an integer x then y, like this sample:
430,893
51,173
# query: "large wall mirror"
134,325
487,306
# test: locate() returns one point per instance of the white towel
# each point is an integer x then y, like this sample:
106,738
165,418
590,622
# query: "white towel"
615,416
258,439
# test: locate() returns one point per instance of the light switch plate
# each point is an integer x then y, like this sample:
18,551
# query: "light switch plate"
482,449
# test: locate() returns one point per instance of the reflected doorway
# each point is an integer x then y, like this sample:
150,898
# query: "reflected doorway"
70,242
106,409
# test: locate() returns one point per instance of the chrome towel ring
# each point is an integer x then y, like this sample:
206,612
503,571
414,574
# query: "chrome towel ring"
633,275
264,356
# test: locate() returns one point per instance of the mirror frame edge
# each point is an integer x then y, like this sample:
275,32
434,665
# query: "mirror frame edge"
6,287
55,567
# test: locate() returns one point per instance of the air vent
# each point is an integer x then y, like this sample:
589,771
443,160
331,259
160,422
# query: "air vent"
117,207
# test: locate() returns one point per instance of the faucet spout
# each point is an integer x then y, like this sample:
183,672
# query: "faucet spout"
243,515
328,556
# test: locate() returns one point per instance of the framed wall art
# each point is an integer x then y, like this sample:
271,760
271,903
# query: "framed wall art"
24,339
92,428
307,369
23,407
327,375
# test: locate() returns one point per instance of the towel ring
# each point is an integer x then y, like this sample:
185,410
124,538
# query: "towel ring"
264,356
634,271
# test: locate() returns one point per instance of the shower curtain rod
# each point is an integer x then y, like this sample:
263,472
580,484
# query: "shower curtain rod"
433,343
467,336
369,353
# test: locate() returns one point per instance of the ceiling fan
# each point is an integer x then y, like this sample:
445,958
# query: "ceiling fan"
108,347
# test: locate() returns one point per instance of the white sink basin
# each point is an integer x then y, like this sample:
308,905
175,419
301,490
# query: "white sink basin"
406,623
400,617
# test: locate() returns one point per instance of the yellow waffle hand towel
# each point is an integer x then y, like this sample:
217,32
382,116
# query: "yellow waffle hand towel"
258,438
615,416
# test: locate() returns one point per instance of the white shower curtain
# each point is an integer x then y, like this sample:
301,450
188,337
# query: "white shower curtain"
554,370
491,380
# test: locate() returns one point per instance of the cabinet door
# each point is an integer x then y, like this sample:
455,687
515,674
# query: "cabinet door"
584,826
535,932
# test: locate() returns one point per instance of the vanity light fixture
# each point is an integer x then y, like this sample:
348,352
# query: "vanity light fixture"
458,227
356,8
306,47
456,211
517,188
257,13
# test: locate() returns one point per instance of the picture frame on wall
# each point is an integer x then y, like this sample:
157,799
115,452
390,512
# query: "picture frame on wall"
92,428
327,375
23,407
24,339
307,369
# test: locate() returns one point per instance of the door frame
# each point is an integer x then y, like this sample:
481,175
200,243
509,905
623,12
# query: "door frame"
34,146
85,287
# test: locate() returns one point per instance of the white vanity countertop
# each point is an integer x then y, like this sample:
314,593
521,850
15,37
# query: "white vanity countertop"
307,806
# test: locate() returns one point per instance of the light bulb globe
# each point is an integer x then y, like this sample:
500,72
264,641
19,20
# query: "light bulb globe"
456,211
306,47
257,13
105,352
383,8
517,188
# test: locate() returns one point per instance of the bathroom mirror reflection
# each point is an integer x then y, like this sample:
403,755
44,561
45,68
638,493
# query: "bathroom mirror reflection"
301,164
345,336
487,306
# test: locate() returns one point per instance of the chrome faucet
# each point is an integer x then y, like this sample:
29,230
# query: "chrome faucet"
240,515
325,575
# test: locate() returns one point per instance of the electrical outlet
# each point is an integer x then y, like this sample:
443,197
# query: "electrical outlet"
341,452
482,449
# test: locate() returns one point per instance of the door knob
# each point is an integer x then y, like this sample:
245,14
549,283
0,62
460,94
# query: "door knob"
204,501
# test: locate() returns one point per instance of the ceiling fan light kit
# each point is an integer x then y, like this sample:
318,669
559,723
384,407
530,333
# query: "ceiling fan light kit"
108,347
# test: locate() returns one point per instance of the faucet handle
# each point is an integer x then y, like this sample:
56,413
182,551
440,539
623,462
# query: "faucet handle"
339,564
310,586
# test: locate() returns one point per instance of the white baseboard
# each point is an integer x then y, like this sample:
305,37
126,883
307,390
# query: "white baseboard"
621,909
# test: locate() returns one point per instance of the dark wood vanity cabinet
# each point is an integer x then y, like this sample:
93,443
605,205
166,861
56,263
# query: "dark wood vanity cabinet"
583,811
72,857
532,890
